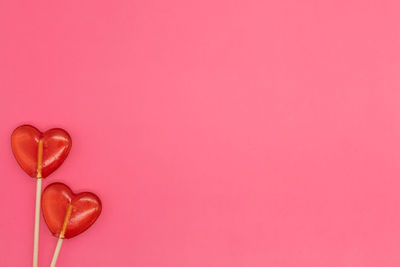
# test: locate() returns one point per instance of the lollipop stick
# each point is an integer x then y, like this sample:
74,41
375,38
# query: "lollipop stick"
56,252
60,239
37,217
37,205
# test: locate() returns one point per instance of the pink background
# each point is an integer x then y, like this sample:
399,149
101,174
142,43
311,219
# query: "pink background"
217,133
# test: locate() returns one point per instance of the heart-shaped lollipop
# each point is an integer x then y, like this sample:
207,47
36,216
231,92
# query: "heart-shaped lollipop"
39,154
68,214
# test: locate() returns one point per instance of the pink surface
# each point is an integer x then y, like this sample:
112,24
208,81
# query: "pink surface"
217,133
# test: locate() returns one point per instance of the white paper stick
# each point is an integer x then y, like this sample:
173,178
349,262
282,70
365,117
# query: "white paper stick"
37,204
56,252
60,239
37,218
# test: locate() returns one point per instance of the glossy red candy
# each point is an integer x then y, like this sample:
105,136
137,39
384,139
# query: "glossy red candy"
57,198
25,145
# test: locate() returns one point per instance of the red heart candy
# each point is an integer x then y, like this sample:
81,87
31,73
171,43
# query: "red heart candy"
85,208
25,145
